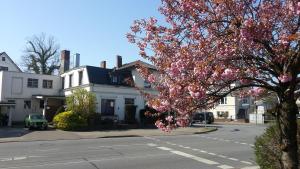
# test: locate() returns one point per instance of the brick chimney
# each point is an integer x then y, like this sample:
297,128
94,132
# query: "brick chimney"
103,64
65,61
119,61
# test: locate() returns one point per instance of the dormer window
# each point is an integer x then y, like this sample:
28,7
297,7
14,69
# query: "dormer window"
147,84
3,59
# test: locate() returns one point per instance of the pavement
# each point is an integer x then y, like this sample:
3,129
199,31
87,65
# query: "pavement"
25,135
230,147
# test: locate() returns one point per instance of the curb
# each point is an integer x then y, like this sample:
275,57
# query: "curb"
113,136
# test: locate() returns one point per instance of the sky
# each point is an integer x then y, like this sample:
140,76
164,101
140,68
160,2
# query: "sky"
96,29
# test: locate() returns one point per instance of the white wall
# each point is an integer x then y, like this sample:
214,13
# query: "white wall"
14,87
8,63
230,107
118,94
75,81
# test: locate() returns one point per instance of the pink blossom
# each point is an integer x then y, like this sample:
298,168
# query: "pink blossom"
182,122
284,78
151,78
228,74
298,8
169,118
256,91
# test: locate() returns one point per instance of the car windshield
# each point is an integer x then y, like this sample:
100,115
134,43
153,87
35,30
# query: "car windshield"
36,117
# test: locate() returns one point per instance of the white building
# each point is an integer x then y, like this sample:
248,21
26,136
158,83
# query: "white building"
23,93
114,88
233,107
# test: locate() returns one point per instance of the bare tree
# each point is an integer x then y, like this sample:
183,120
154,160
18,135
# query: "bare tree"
41,54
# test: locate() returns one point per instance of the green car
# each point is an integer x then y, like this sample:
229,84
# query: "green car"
36,121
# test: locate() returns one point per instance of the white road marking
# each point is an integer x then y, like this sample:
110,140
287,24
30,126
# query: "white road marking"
252,167
244,143
195,149
164,148
251,145
222,156
173,144
246,162
202,151
19,158
187,147
44,150
151,144
6,159
233,159
213,154
225,167
203,160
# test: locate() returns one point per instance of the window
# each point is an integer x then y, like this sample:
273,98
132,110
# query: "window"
223,100
115,79
32,83
11,101
147,84
80,73
107,107
63,82
70,80
42,104
4,68
27,104
129,101
48,84
244,101
3,58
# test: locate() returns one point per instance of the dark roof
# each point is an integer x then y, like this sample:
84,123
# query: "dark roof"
137,63
98,75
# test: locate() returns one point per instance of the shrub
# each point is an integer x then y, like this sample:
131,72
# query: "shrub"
267,148
70,121
82,101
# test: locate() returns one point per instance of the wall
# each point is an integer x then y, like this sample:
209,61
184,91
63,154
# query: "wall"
14,87
8,63
75,81
118,94
230,107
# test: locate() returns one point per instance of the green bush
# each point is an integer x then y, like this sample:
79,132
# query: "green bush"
70,121
267,148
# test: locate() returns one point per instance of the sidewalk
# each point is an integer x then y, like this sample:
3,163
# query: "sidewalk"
51,135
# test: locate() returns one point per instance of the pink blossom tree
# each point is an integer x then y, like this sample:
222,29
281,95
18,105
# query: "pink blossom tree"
208,49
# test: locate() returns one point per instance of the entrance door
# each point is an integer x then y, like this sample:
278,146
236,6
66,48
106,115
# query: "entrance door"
107,107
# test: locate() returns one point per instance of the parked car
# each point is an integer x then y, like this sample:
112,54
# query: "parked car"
36,121
203,117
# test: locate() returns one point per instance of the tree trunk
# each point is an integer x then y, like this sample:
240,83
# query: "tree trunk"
288,131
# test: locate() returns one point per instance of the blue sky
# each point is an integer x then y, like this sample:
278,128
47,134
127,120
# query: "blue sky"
94,28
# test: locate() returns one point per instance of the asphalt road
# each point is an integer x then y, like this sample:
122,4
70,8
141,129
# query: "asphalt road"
229,147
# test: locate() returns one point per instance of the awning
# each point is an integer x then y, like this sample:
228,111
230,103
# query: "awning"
7,103
48,96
